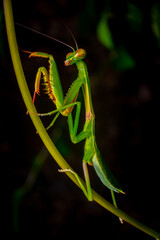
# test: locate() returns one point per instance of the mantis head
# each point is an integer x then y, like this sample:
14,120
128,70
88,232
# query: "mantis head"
73,57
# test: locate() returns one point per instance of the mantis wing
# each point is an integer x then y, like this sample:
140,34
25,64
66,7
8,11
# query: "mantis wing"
105,173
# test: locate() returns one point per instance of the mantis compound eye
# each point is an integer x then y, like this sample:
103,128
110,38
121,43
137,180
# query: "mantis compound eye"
69,54
81,53
68,60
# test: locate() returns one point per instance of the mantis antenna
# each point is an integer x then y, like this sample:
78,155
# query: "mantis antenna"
55,39
71,35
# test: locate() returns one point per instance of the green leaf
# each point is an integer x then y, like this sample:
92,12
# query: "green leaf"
123,60
156,21
134,17
104,33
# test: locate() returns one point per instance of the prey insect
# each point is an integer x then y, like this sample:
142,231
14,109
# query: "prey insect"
64,106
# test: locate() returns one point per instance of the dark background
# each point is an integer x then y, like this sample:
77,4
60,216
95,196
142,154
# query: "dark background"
125,86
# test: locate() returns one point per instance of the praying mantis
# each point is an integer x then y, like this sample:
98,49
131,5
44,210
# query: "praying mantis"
64,106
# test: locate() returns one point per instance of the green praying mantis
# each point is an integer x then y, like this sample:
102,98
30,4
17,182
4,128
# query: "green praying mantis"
64,106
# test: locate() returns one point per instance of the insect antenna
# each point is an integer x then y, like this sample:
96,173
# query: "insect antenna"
70,32
55,39
72,37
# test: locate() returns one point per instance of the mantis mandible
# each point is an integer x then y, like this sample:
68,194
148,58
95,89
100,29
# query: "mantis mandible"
65,106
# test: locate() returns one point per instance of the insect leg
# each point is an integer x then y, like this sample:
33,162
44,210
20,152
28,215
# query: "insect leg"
115,204
41,70
87,192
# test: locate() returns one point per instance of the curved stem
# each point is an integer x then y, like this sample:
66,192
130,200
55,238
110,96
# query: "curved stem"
41,130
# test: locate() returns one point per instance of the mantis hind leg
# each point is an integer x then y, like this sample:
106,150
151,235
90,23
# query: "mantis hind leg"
115,204
86,190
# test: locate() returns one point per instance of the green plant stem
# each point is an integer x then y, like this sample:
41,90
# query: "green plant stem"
41,130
